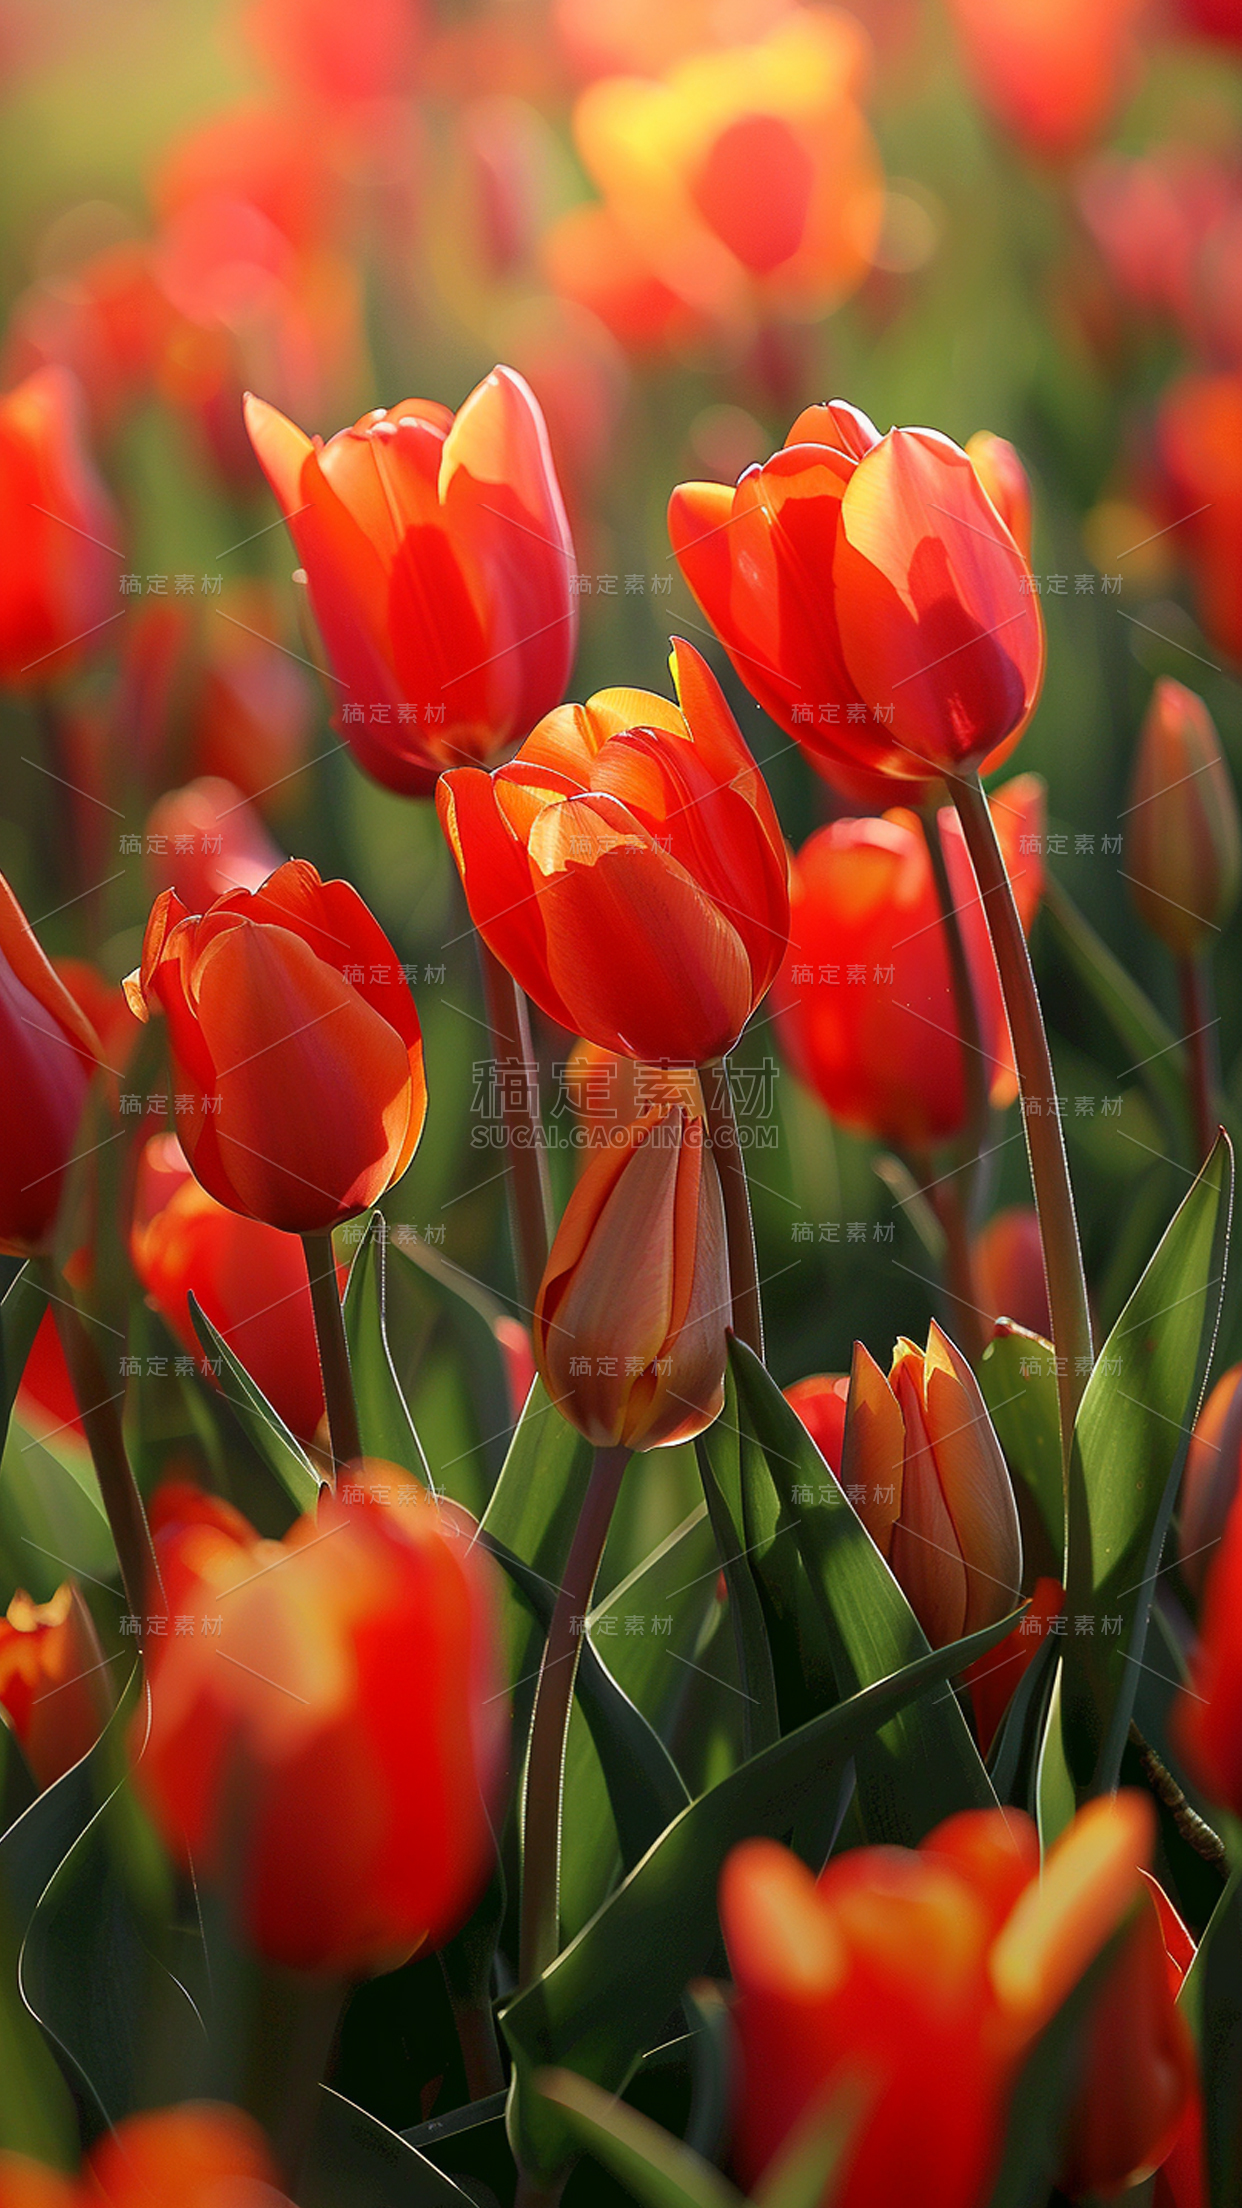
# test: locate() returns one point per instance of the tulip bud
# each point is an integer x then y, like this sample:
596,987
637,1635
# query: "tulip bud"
820,1404
1207,1721
1210,1480
61,567
49,1050
1008,1260
1006,482
306,1088
205,840
329,1754
921,1453
632,1312
53,1680
1183,848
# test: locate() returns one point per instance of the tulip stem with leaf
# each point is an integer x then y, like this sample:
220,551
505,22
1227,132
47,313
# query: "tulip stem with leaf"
1041,1118
526,1178
1201,1027
338,1385
739,1226
549,1729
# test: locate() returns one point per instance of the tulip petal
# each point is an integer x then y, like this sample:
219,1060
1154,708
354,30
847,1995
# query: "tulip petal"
925,1552
1090,1881
503,900
975,1482
873,1453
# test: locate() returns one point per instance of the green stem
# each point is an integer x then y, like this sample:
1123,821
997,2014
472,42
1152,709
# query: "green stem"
99,1410
975,1081
549,1726
338,1385
1041,1117
526,1181
296,2021
475,2025
739,1226
1201,1028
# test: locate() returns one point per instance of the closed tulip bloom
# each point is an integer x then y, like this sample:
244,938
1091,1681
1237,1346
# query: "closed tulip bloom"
440,570
628,868
928,1974
1050,72
921,1453
247,1277
870,597
632,1311
54,1683
1208,1720
820,1403
1008,1261
865,1010
59,558
307,1087
49,1051
205,840
1210,1479
1183,846
330,1754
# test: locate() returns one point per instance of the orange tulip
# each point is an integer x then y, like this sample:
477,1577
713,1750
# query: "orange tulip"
870,597
1183,846
628,868
248,1278
1050,72
326,1742
49,1051
632,1312
1210,1479
1199,446
206,839
924,1470
992,1680
60,563
1008,1262
295,1036
201,2155
440,570
608,1093
865,1011
925,1976
676,159
820,1403
1207,1723
54,1684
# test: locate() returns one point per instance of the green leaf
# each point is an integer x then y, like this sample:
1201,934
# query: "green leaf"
1211,1997
36,2111
653,2166
600,2004
355,2161
384,1421
1018,1379
450,1369
1130,1441
21,1315
720,1452
923,1765
535,1505
263,1426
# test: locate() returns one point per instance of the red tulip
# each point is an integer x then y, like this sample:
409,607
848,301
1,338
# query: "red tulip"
1208,1717
870,597
865,1010
200,2155
440,570
49,1051
1211,1477
206,839
1008,1262
60,562
632,1313
330,1749
247,1277
820,1404
54,1683
1050,72
295,1038
1183,845
628,868
1199,444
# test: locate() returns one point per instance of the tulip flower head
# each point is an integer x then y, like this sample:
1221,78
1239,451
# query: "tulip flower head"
1207,1722
925,1975
53,1680
1050,72
883,1052
1183,846
60,563
820,1403
440,571
628,868
1211,1478
199,2155
632,1312
307,1087
49,1052
330,1753
870,596
921,1451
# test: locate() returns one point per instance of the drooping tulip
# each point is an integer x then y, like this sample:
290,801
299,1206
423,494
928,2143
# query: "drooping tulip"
1050,72
870,596
865,1010
295,1039
247,1277
440,571
326,1743
924,1469
54,1681
628,868
632,1312
928,1975
60,559
1210,1479
1183,839
49,1051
